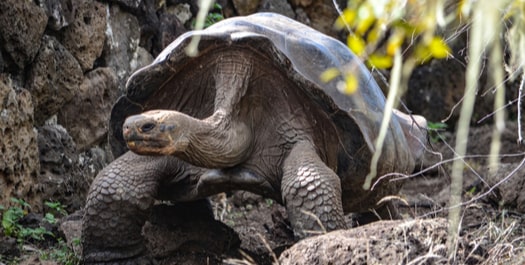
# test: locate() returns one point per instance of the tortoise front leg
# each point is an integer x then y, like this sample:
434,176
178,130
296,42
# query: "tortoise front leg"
311,193
118,204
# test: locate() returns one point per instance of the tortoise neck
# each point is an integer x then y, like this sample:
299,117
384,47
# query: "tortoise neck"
217,142
221,140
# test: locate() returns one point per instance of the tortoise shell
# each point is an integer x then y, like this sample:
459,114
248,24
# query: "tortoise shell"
300,52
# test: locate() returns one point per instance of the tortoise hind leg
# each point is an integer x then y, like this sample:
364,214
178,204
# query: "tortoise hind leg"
311,193
118,204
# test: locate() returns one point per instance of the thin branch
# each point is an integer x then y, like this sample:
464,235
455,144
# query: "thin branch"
520,94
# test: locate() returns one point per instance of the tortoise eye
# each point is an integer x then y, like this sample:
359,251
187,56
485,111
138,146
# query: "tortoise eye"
147,127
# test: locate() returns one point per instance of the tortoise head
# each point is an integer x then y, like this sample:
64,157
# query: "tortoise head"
157,132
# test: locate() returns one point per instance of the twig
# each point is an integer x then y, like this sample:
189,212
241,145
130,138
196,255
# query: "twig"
520,93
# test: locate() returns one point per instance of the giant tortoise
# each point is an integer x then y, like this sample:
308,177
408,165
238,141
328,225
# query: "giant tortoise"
249,112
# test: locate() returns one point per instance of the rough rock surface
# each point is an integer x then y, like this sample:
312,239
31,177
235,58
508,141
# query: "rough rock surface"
71,228
171,26
19,164
22,24
122,42
246,7
54,78
281,7
84,38
95,95
320,13
60,176
131,4
383,242
60,12
509,193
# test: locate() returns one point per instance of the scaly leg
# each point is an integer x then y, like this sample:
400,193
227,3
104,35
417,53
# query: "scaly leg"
118,204
311,192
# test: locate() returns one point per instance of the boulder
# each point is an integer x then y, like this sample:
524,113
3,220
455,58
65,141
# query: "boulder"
54,78
84,38
246,7
383,242
121,50
94,100
19,164
60,176
60,12
22,25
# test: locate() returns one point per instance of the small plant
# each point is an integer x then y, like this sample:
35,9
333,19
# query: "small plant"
12,216
434,129
12,227
214,16
57,207
62,254
269,202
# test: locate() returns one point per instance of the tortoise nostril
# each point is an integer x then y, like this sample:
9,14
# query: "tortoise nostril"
147,127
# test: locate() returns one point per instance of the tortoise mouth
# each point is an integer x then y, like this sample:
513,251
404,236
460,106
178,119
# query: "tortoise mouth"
150,147
140,142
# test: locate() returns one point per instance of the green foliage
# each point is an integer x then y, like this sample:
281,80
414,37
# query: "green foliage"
213,16
62,254
12,227
12,216
269,202
57,208
434,129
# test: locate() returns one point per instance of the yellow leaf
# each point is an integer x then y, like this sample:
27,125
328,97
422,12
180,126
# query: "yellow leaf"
394,42
349,86
356,44
438,48
329,74
346,18
422,53
365,19
380,61
374,34
364,25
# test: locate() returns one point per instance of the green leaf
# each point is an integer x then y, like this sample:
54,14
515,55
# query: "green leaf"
50,218
436,125
21,202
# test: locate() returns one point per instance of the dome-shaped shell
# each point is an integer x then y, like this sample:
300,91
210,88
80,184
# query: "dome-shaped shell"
303,54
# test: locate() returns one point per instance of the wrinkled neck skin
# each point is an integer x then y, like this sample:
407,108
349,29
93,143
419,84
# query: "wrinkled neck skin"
222,140
217,142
